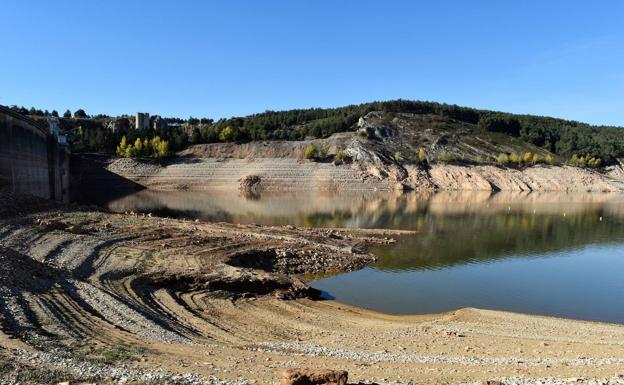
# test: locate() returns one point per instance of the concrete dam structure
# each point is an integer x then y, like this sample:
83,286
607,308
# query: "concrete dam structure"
33,159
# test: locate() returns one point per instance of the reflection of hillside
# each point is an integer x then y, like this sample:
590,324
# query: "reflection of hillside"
362,209
446,240
453,227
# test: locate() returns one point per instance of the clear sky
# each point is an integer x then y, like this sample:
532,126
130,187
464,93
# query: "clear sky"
224,57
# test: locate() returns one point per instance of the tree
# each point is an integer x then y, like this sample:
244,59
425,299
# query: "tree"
80,114
227,135
138,147
196,135
55,113
502,158
121,148
527,157
67,114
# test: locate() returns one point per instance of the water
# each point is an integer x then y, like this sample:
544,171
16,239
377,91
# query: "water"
541,253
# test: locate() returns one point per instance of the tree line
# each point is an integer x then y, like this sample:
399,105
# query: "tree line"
562,137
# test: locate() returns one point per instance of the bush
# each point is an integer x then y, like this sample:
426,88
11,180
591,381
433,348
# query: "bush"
502,158
549,159
584,161
341,156
422,155
445,156
397,156
514,158
310,152
527,157
323,152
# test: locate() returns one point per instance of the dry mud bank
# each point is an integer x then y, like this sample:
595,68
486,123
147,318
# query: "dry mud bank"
223,166
133,299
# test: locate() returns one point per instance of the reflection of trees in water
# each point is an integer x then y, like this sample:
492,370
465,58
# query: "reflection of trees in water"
453,228
446,240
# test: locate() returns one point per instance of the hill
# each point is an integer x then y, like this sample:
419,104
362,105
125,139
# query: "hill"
563,138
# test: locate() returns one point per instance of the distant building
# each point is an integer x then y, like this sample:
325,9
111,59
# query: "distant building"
142,120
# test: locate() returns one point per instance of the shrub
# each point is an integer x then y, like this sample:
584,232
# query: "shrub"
323,152
527,157
502,158
549,159
584,161
514,158
341,156
397,156
422,155
310,152
536,159
445,156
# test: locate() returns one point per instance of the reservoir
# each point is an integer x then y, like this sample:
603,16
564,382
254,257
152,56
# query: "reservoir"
554,254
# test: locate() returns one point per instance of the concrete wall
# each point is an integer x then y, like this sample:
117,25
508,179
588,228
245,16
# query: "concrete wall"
31,160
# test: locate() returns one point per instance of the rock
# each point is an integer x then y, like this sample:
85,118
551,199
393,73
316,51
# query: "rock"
250,184
306,376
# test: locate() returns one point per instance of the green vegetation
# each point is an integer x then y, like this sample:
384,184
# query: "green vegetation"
121,353
342,156
310,152
155,147
564,138
445,156
584,161
422,155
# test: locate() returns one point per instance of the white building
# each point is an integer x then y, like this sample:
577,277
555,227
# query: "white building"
142,120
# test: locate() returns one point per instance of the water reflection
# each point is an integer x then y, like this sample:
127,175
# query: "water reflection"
546,253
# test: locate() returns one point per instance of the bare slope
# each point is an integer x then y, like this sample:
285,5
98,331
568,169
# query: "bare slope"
385,156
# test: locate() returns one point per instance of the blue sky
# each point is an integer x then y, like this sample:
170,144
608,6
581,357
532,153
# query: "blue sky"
224,58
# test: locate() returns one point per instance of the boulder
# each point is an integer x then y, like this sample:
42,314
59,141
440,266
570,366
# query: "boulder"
306,376
250,184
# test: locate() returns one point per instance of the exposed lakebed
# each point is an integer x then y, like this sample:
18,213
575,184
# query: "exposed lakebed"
542,253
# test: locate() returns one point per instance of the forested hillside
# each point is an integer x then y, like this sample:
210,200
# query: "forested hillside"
562,137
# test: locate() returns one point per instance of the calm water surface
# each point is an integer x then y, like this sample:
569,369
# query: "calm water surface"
542,253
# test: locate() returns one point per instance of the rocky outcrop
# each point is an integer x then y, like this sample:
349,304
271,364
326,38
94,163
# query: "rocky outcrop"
305,376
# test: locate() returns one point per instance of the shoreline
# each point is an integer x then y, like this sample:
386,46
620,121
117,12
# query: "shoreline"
183,298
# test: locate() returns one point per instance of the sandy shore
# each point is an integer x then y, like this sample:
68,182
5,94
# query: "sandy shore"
116,298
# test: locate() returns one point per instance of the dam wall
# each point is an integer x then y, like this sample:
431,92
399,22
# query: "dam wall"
32,160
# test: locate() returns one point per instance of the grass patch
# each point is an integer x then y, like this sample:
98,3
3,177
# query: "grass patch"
121,353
